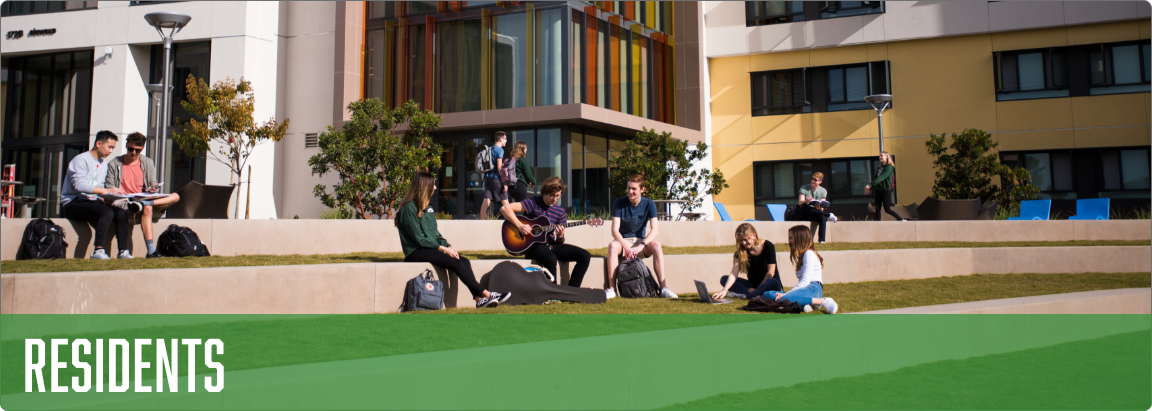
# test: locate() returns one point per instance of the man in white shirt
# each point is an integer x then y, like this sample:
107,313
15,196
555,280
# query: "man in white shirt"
85,177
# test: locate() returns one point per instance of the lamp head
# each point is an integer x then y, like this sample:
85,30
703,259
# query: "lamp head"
878,101
166,20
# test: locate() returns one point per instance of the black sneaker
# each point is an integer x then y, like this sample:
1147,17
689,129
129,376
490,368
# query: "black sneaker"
134,207
154,254
487,302
500,297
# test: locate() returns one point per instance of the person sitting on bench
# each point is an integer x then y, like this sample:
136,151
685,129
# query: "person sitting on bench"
815,211
630,215
135,173
85,175
422,242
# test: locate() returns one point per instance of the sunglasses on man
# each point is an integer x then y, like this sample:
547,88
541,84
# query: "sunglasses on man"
137,150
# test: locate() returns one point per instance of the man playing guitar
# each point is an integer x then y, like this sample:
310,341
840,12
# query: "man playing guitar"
547,254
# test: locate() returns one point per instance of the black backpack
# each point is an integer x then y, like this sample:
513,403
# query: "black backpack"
423,293
634,279
42,240
761,304
179,241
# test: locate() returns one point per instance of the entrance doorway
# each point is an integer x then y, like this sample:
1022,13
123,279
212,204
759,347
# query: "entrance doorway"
41,169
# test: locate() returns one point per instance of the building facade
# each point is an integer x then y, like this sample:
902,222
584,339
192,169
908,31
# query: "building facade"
573,79
1063,87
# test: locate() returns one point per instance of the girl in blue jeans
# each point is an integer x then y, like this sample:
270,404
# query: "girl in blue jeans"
809,269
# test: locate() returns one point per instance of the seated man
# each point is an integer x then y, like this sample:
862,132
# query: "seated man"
547,204
629,216
85,175
135,173
813,201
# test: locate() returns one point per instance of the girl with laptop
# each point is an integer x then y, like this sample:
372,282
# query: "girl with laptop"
756,258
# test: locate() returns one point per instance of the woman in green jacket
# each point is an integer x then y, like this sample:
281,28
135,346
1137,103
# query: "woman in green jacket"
881,186
422,242
524,175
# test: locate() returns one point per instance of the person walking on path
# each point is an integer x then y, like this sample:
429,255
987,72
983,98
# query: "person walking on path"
881,186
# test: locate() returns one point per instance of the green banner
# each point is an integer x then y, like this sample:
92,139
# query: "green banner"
576,361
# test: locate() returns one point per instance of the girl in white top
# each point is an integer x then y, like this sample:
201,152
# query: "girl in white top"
809,270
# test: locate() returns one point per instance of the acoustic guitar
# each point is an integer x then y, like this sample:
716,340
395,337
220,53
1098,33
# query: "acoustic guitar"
517,243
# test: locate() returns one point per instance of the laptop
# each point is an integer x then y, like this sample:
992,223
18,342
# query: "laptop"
705,297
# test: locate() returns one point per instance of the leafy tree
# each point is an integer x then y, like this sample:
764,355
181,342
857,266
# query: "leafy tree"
224,116
667,167
375,165
966,169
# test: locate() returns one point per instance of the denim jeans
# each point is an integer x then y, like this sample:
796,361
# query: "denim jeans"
802,296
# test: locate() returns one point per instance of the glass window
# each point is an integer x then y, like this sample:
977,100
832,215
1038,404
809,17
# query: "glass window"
416,60
602,64
783,180
459,58
578,185
833,9
1031,74
49,95
549,152
625,71
511,58
760,13
17,8
1110,162
860,175
1126,60
379,80
578,93
1119,69
447,186
779,92
1134,169
548,56
379,9
596,169
1038,166
417,7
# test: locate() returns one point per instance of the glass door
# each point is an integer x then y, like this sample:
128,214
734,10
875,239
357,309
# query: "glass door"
447,179
473,179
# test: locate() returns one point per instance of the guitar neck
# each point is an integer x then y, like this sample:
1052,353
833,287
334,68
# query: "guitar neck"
565,225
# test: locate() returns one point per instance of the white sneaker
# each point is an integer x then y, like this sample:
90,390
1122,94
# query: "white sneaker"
100,255
832,217
609,294
124,254
807,308
666,293
830,305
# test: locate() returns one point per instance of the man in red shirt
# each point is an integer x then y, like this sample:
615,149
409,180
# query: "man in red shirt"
135,173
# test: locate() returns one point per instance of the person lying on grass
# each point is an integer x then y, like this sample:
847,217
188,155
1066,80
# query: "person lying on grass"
422,242
809,269
755,257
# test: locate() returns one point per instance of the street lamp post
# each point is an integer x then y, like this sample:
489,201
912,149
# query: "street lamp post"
880,102
155,91
173,22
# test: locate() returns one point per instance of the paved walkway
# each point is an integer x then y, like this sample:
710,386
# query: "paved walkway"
1120,301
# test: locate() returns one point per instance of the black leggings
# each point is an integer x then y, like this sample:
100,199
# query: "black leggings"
519,192
547,255
103,215
461,267
884,197
808,213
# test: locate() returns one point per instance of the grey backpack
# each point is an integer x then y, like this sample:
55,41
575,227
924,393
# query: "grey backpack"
634,279
423,293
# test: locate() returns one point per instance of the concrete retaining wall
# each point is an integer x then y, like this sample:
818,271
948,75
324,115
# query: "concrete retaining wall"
378,287
286,237
1122,301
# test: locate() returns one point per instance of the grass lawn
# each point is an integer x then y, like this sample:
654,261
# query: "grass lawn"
1109,373
858,297
43,266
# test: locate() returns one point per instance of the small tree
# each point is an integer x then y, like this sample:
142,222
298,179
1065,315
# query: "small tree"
226,113
374,164
966,169
667,167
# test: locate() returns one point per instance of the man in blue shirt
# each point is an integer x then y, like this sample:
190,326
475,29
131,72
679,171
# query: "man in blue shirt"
629,216
494,188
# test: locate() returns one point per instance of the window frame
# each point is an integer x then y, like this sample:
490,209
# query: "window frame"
755,20
4,8
759,199
1073,169
810,11
1048,55
816,93
1109,69
1120,168
804,107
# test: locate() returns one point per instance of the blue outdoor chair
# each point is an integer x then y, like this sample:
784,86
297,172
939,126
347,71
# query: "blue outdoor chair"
1091,209
724,212
777,211
1034,210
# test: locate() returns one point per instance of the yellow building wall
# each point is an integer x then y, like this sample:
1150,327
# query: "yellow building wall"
940,85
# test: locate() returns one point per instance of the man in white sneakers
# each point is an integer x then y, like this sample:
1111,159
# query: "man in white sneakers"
135,173
630,215
79,198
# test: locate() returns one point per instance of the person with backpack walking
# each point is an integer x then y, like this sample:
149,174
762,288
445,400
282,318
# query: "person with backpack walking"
630,215
809,269
494,188
422,243
85,175
755,257
547,254
523,177
882,186
135,173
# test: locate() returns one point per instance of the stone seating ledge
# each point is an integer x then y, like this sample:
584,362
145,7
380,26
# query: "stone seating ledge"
378,287
310,237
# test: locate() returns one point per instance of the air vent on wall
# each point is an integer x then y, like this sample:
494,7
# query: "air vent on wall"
311,140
